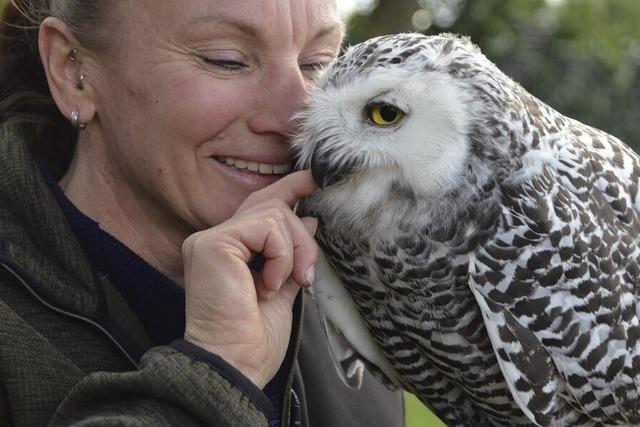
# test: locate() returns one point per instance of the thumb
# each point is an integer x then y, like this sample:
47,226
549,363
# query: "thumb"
286,295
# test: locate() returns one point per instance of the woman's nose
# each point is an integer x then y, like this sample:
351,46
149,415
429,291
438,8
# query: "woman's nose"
283,95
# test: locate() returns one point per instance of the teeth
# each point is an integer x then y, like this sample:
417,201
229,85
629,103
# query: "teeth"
281,169
263,168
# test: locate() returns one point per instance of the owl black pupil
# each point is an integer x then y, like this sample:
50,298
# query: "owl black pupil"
388,113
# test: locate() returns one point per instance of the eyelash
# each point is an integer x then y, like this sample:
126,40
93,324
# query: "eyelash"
225,64
314,66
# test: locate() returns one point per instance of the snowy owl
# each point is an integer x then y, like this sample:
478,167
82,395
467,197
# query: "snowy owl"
485,246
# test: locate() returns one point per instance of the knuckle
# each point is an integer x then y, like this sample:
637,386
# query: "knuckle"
273,224
195,242
189,243
276,213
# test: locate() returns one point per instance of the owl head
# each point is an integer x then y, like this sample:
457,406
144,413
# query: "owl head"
408,115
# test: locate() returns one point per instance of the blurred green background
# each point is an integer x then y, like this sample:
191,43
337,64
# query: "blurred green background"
582,57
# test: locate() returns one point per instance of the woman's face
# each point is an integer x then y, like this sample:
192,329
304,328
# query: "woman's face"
201,93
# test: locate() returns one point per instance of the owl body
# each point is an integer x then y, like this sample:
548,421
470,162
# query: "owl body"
489,243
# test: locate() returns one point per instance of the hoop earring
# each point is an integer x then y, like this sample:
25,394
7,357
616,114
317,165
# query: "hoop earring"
75,121
74,55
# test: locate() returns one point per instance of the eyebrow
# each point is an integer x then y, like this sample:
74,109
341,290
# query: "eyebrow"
252,31
228,21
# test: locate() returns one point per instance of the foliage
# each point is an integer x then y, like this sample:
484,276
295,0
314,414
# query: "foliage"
580,56
417,415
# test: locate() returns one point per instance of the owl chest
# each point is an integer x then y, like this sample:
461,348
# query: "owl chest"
426,303
414,289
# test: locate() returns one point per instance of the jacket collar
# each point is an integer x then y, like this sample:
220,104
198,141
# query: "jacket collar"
34,235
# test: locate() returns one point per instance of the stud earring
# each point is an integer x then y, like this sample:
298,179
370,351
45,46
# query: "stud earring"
75,121
80,84
74,55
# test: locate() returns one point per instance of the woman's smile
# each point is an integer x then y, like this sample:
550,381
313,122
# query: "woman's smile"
250,173
256,166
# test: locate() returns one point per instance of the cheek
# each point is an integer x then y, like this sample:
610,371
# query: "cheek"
172,127
201,108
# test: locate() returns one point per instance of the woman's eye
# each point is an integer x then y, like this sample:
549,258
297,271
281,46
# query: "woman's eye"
315,66
225,64
383,114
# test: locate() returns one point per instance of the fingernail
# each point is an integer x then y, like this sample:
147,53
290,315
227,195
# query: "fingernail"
315,226
270,295
310,276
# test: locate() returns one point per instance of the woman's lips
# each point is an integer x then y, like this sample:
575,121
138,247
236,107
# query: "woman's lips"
252,180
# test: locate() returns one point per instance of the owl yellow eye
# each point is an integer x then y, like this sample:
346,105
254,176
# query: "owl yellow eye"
383,114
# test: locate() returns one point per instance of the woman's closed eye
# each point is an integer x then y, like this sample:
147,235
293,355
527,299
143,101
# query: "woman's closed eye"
312,70
225,64
314,66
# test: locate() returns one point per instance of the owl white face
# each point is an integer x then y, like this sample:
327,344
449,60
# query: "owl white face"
389,126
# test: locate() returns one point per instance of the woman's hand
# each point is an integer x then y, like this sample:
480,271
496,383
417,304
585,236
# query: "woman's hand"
243,316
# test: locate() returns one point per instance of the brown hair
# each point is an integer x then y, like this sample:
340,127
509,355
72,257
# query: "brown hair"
24,92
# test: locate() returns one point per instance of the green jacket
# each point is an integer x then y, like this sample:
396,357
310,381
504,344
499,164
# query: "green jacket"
73,352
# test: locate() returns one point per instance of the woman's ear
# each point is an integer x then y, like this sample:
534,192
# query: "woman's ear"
62,60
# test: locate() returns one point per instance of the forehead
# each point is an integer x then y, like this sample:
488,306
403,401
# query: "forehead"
292,19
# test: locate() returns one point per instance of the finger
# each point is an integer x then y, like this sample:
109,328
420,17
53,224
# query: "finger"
262,291
311,224
306,257
232,246
278,252
305,249
288,190
282,300
288,292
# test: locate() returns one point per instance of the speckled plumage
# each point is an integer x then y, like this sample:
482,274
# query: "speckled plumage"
490,244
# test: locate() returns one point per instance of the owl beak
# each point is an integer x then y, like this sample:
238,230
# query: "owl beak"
319,169
326,171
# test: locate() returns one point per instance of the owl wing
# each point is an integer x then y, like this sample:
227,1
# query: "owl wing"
350,343
353,346
558,288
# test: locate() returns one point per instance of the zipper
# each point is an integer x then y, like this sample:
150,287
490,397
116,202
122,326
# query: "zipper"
59,310
289,394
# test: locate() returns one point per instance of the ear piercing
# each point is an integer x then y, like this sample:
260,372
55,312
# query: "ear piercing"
75,114
75,121
74,55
